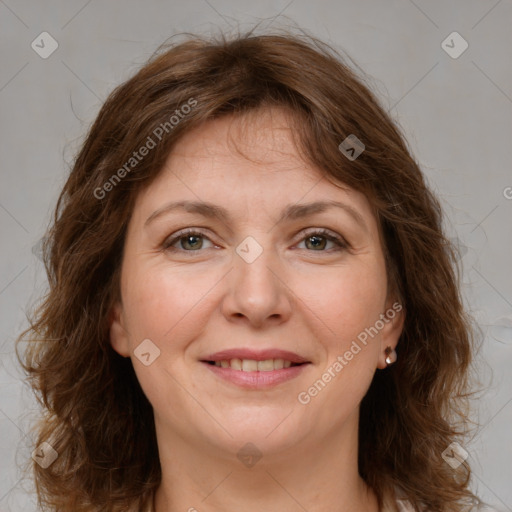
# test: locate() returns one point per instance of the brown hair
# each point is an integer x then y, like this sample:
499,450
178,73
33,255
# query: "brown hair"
97,417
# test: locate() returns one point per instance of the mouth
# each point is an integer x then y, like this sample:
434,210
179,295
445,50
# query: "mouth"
251,365
256,370
255,360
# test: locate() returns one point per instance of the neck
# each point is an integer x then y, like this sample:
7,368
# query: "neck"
319,475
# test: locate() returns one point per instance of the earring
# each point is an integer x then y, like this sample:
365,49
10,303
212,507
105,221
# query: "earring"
391,356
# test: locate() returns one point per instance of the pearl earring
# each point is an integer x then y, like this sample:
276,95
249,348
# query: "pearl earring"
391,356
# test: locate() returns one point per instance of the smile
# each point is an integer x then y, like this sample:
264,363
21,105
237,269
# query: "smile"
246,373
251,365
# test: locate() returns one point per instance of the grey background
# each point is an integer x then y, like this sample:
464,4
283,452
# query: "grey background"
456,114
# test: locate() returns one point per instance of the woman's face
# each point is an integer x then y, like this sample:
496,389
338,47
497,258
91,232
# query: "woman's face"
256,275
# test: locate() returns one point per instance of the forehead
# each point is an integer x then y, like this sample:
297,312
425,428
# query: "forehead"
246,161
261,140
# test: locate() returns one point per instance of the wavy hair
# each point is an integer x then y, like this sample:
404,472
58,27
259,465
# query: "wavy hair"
97,417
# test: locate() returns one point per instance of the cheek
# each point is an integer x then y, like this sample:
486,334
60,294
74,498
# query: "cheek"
163,301
164,305
336,390
348,299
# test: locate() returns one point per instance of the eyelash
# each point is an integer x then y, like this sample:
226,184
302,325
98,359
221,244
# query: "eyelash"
322,232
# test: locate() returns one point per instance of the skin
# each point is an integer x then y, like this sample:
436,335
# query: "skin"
204,298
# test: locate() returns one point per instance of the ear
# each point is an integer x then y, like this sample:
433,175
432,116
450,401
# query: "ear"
118,333
390,333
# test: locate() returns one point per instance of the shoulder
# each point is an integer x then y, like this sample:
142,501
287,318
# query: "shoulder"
406,506
403,505
398,502
394,501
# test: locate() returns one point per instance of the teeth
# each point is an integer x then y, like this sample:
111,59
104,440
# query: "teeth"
236,364
250,365
278,364
265,366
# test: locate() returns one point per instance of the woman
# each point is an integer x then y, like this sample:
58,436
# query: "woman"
252,304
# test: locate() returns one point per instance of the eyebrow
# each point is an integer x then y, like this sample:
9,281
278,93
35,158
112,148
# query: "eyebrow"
290,212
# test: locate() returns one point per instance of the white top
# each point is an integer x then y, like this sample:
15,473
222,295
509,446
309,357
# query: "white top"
389,505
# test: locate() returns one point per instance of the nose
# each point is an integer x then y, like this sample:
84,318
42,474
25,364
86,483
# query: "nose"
257,291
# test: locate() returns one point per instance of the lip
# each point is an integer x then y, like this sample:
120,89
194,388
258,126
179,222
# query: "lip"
256,380
256,355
